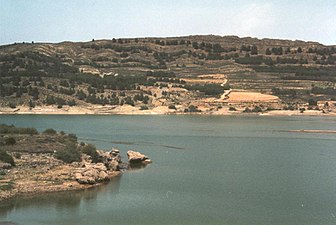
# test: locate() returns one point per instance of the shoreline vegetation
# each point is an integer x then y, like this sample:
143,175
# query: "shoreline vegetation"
33,162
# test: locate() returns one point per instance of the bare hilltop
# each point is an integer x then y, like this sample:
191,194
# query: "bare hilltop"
192,74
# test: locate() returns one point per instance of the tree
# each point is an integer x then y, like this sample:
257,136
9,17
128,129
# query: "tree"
299,50
92,152
69,154
195,45
312,102
31,104
50,131
287,50
10,141
268,52
254,50
50,100
172,107
5,157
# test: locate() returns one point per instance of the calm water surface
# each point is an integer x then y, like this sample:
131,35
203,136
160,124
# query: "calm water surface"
206,170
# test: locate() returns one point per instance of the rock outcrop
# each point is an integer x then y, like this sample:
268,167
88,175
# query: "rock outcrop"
111,159
92,174
137,158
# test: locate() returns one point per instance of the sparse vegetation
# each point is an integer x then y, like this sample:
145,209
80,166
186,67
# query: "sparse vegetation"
10,141
5,157
130,71
69,154
11,129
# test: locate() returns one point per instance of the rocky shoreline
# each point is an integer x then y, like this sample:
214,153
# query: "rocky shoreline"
42,173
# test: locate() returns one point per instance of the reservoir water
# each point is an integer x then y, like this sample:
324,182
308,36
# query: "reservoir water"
205,170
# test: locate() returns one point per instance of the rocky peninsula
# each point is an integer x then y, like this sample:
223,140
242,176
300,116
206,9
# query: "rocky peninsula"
34,163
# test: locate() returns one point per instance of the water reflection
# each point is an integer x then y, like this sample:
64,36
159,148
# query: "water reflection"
61,201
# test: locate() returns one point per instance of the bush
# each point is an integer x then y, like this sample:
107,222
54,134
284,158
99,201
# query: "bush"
5,129
193,108
17,155
247,110
10,141
5,157
172,107
50,131
73,137
12,105
143,107
232,109
91,151
208,89
69,154
312,102
257,109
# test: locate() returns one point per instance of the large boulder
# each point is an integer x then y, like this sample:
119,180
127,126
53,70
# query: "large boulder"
136,158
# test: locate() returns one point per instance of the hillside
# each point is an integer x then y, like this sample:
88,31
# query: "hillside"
210,74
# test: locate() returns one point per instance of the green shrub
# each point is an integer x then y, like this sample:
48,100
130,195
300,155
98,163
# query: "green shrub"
232,109
73,137
5,129
247,110
172,107
193,108
7,186
50,131
12,105
143,107
312,102
5,157
69,154
17,155
257,109
10,141
92,151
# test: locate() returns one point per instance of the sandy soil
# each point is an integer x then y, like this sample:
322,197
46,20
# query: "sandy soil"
244,96
158,110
